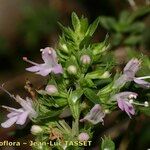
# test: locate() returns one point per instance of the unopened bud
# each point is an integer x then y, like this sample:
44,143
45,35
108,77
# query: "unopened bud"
83,136
106,111
72,69
146,104
35,129
51,89
85,59
64,47
106,74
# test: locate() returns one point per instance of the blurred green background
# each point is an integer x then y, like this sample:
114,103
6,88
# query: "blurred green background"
27,26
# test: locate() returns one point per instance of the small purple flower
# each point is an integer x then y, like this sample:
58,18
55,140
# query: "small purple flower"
142,83
95,115
123,100
19,116
131,68
129,72
126,106
50,63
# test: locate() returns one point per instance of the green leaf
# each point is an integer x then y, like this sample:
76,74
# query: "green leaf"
61,102
105,91
84,25
48,114
93,27
85,82
133,40
123,17
75,22
68,32
98,74
139,13
85,41
108,22
108,144
136,28
117,39
73,101
91,95
99,48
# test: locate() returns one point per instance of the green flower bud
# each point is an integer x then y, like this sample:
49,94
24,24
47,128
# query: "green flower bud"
35,129
72,69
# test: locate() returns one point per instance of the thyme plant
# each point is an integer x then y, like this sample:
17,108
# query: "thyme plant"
81,90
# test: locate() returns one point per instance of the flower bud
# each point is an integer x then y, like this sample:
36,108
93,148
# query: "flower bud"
72,69
106,111
146,104
35,129
85,59
51,89
83,136
106,74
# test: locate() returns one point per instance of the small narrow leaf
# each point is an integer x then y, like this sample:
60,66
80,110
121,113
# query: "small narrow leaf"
73,101
91,95
75,22
93,27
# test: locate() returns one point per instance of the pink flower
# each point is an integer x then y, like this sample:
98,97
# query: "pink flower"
129,72
95,115
50,63
123,100
19,116
126,106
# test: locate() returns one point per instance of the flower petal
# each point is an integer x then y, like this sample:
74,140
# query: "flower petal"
132,67
95,115
123,95
12,114
49,56
121,81
142,83
22,118
121,104
129,109
57,69
10,109
9,122
44,72
33,69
